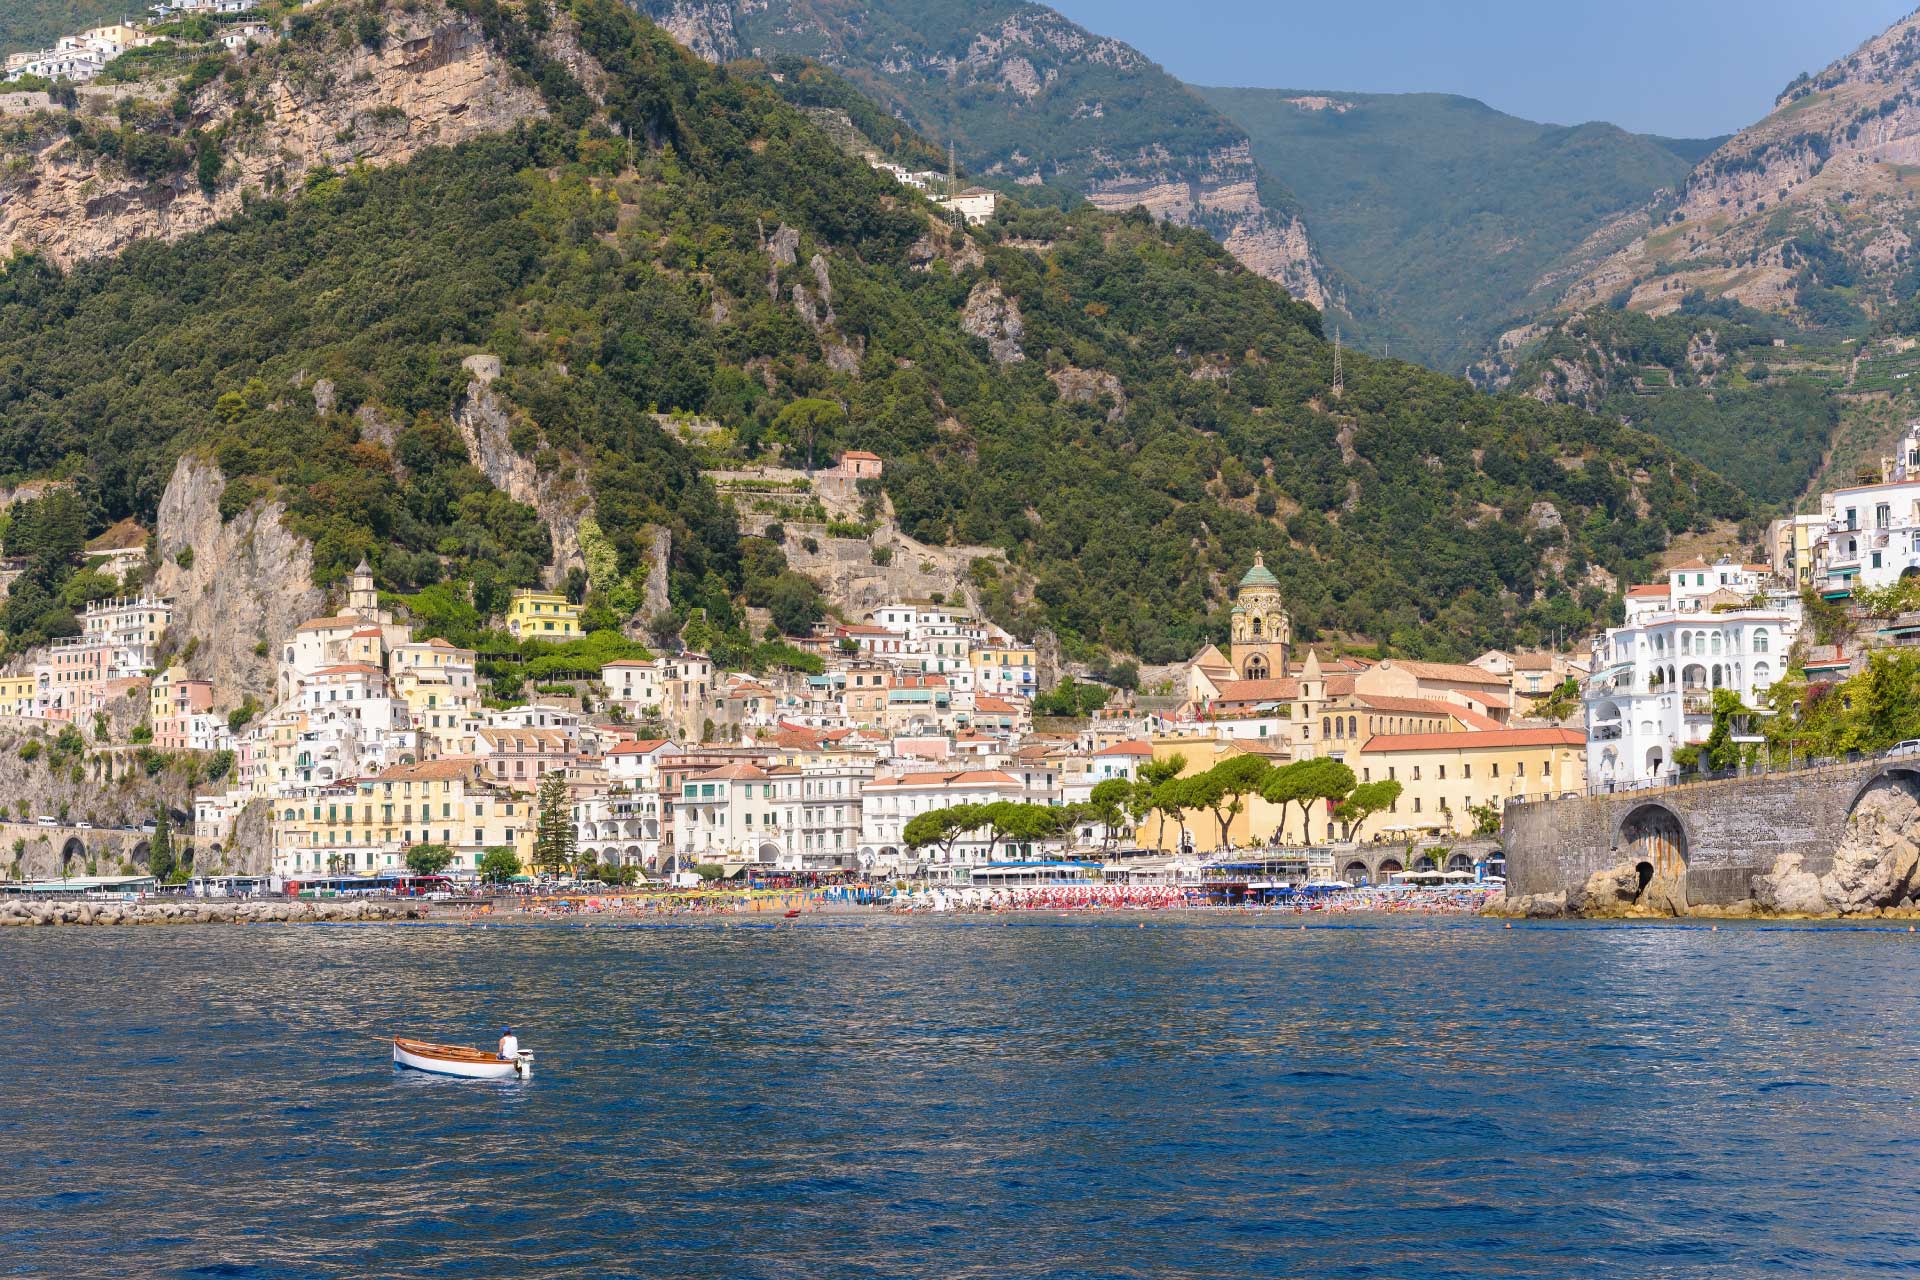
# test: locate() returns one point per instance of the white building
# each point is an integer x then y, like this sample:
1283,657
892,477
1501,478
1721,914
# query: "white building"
1653,680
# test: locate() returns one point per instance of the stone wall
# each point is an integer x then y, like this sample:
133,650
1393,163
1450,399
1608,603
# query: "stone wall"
1733,830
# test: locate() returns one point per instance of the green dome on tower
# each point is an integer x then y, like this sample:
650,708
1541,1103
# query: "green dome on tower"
1259,575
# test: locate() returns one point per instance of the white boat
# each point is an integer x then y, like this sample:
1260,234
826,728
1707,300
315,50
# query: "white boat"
460,1060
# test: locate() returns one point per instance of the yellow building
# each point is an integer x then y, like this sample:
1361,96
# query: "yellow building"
1257,822
368,824
542,615
17,694
1443,776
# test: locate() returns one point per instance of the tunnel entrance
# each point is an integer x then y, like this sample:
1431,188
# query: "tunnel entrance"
1652,834
1644,870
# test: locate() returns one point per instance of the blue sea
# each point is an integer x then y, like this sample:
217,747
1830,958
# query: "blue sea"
1201,1097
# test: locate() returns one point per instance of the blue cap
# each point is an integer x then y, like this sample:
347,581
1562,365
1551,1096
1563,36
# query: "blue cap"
506,1031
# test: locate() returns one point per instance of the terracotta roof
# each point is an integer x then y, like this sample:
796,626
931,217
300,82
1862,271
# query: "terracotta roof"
742,771
445,767
1135,747
638,747
346,668
861,454
987,702
1489,738
1695,563
966,777
1276,690
1455,671
1641,593
627,662
329,624
1407,706
522,739
1533,662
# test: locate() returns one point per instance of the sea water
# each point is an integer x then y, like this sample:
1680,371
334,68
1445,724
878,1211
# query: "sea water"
969,1097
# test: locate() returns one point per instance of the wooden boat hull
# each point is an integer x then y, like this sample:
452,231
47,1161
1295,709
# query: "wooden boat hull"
459,1060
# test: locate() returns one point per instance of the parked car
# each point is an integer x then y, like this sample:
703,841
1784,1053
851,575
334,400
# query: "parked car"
1911,747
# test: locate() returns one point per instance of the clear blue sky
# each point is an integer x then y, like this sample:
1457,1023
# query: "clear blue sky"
1685,68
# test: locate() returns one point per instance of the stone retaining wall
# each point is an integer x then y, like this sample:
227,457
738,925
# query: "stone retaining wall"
1732,830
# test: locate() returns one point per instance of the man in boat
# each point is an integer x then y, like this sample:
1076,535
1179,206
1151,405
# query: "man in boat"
509,1045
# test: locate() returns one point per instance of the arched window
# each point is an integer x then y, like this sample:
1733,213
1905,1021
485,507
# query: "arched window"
1686,643
1326,728
1256,625
1716,644
1760,641
1762,675
1353,726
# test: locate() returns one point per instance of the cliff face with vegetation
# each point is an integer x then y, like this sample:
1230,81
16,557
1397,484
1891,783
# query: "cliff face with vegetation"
1112,402
128,167
1810,213
1031,98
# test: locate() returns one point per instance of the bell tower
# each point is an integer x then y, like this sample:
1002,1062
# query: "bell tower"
1262,632
363,601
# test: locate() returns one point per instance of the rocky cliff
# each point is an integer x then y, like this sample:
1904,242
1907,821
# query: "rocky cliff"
1028,97
292,108
1818,196
239,587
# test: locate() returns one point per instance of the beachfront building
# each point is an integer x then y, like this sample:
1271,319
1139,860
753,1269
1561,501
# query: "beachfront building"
728,814
1654,678
1444,777
368,824
819,814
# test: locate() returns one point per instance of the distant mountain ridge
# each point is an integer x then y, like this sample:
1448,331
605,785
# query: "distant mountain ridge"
1029,97
1457,216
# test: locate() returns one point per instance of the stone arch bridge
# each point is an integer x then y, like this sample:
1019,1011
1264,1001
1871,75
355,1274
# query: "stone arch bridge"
66,849
1711,837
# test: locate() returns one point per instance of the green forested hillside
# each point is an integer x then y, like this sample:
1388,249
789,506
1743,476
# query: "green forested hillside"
36,24
1450,211
613,279
1708,379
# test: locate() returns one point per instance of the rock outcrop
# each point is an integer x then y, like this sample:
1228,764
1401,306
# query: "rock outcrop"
435,81
991,315
1612,892
1876,861
239,587
1790,889
486,425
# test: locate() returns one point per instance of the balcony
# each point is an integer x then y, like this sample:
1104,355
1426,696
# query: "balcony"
1608,732
1697,702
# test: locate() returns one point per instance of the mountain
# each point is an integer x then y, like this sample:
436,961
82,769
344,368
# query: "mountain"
1810,213
445,303
1454,215
1028,97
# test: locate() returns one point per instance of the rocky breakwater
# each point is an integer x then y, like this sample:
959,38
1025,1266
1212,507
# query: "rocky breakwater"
204,912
